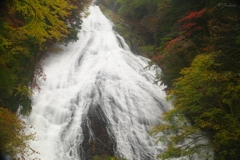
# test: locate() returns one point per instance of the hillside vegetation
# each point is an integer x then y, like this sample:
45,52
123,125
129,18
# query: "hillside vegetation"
197,46
28,29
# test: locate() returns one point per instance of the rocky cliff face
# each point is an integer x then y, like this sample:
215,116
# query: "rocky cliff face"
98,140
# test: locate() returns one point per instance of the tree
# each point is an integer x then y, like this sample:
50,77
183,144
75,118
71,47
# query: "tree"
29,28
43,19
181,138
201,95
179,48
13,139
196,44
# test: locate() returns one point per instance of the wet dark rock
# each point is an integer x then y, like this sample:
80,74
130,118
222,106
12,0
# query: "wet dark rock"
98,140
2,157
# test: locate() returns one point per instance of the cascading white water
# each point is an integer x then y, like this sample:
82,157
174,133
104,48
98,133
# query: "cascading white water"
97,70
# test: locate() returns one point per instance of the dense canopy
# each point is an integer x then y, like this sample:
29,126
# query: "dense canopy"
28,29
197,46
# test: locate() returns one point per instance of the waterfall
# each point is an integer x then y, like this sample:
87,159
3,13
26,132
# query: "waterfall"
97,99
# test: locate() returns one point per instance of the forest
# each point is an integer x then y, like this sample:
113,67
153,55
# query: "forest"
197,46
195,43
29,28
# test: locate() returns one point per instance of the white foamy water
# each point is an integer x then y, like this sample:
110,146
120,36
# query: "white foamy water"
98,69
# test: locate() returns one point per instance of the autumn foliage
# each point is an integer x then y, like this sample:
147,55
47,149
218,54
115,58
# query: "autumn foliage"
196,44
29,28
193,15
189,22
13,139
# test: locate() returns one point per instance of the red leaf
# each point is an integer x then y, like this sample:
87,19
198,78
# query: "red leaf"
188,25
193,15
